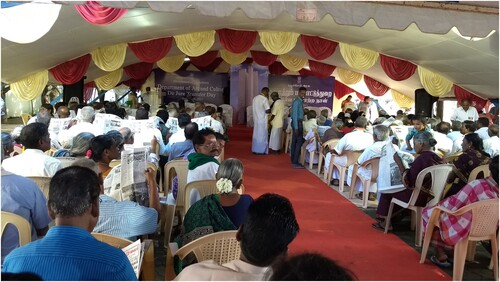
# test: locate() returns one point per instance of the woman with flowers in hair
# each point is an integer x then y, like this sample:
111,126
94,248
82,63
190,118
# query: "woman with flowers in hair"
218,212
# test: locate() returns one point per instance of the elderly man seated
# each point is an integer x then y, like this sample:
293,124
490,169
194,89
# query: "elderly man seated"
69,251
35,138
492,144
357,140
444,144
86,117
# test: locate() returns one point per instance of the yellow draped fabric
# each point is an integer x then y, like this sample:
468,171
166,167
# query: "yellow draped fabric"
434,84
110,80
30,87
233,58
402,100
171,64
293,63
278,43
110,58
223,67
357,57
195,44
349,77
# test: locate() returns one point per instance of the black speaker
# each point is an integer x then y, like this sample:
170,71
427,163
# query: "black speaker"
423,102
73,90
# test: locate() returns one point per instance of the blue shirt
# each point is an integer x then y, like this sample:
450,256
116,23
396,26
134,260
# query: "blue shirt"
297,112
22,196
412,132
238,211
125,219
180,149
70,253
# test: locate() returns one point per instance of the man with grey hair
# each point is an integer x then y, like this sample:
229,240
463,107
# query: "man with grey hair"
380,135
334,132
85,118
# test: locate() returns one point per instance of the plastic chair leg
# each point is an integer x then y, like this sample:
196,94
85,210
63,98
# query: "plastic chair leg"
494,257
366,192
471,251
418,227
413,222
459,259
342,172
388,219
311,160
427,241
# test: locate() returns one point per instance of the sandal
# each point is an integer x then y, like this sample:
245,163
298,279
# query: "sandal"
443,264
379,226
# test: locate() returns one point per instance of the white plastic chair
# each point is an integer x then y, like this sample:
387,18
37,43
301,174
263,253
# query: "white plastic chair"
439,175
325,147
483,227
474,174
373,166
352,158
22,225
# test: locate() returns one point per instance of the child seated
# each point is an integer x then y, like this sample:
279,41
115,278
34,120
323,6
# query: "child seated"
419,125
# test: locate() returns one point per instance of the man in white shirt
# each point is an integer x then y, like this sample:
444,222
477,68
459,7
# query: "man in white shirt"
277,118
202,164
482,128
214,123
467,127
465,112
455,133
269,227
260,109
86,117
444,144
380,135
492,144
357,140
35,138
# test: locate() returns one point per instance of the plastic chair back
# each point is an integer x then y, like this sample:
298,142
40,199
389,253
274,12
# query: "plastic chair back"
25,117
475,173
22,225
180,167
439,175
452,158
66,161
112,240
222,247
204,187
484,218
43,182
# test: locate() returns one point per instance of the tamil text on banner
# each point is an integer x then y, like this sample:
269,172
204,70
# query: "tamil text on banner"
319,90
204,87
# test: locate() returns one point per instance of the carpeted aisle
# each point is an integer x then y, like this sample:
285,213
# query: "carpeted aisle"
329,223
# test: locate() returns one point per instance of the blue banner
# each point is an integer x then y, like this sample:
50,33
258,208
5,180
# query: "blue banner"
319,90
200,86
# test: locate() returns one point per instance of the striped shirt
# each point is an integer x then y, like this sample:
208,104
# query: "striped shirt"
70,253
125,219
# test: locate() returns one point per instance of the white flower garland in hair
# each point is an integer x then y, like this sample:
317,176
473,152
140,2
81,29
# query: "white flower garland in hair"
224,186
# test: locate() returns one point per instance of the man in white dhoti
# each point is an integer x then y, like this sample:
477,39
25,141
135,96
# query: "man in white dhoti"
357,140
277,118
380,135
260,109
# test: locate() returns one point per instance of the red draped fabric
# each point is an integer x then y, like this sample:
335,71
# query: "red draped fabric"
88,89
318,48
277,68
205,59
94,13
236,41
184,66
461,94
71,71
360,96
306,72
397,69
247,61
138,71
320,69
134,83
341,90
212,66
375,87
263,58
153,50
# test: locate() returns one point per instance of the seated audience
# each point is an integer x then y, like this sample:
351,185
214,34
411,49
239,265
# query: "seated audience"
62,112
202,163
443,239
482,128
215,122
334,132
267,230
199,110
221,141
86,117
380,135
104,149
218,212
44,114
183,120
35,138
310,267
423,143
151,132
473,156
184,148
79,148
468,126
323,117
128,135
492,145
69,251
165,132
311,122
7,145
444,144
454,135
22,196
419,125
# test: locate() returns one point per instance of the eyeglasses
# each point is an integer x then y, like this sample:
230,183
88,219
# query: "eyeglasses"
211,145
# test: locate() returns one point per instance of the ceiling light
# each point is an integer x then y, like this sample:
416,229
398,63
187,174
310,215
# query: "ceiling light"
457,32
186,59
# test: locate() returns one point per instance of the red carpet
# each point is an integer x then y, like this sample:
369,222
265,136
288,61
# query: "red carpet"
329,223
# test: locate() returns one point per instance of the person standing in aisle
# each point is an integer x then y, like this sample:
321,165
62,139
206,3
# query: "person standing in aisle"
260,108
297,116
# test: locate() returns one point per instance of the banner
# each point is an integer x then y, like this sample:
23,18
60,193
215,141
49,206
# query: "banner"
204,87
319,90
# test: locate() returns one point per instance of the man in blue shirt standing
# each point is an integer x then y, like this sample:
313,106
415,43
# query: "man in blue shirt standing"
69,251
297,127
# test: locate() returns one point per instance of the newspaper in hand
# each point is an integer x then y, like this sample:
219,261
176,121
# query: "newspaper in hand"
389,180
134,254
107,122
57,125
172,124
133,180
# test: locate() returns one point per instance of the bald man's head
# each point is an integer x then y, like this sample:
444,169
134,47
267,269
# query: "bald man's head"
63,112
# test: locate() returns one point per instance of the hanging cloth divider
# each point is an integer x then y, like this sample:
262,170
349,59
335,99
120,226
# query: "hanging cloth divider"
153,50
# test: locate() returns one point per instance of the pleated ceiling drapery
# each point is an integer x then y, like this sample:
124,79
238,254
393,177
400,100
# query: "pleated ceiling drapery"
212,66
171,64
461,94
375,87
263,58
278,43
293,63
277,68
110,80
110,58
358,58
236,41
349,77
320,69
341,89
195,44
71,71
96,14
318,48
139,71
88,90
153,50
233,58
397,69
433,83
205,59
402,100
30,87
